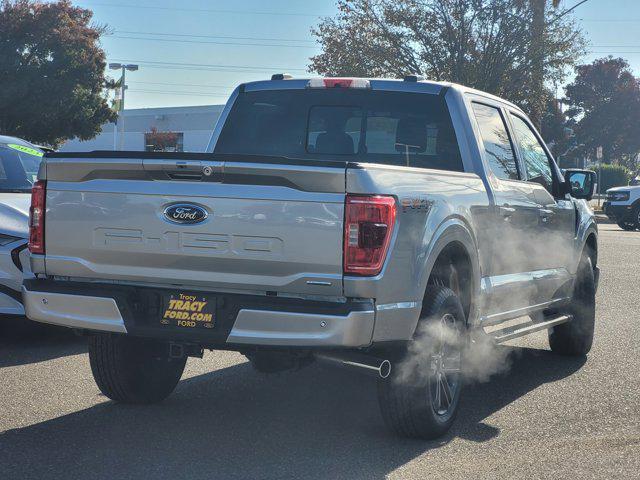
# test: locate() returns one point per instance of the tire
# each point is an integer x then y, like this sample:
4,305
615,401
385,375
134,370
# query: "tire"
629,227
576,337
408,398
133,370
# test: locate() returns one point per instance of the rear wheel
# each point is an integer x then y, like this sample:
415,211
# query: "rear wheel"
421,396
576,337
133,370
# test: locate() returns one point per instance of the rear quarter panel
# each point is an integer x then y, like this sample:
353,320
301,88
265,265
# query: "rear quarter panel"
434,209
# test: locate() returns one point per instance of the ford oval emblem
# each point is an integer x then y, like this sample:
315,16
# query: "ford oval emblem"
185,213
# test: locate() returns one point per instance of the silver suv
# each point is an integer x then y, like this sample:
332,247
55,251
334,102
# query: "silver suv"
376,223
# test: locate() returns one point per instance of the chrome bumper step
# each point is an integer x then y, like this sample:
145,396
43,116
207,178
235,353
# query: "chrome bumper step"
522,329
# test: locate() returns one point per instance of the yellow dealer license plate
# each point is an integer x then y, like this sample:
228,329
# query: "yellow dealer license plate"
188,310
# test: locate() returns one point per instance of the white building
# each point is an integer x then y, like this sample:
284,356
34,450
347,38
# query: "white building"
182,129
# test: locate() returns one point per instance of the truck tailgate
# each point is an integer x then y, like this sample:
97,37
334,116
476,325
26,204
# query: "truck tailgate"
270,227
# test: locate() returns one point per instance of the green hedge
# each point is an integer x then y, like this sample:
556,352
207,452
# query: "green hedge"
613,176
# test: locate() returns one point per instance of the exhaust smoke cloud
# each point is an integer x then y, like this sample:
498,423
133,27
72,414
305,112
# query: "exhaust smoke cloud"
474,358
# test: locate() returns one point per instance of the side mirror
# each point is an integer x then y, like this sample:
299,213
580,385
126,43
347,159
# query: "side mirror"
580,183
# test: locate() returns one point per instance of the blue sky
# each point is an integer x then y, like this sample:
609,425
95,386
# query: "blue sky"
206,47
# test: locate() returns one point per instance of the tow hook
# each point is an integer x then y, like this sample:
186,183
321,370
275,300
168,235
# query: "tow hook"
176,350
179,350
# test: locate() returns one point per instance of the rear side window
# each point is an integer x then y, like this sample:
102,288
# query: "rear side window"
497,145
394,128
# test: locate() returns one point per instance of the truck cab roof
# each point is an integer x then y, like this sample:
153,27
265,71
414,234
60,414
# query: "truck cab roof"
410,83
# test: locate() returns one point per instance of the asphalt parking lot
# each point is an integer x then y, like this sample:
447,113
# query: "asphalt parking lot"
546,417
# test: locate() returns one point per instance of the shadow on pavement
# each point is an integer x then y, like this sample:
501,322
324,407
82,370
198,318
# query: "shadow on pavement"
234,423
23,341
530,368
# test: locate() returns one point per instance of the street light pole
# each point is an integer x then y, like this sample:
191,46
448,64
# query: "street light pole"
123,89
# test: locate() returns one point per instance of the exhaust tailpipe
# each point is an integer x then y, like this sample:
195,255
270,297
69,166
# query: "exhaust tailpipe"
373,364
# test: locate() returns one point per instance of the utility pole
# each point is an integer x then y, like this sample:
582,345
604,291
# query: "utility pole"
536,50
123,89
536,57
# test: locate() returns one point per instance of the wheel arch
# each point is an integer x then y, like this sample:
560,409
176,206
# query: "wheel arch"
591,247
454,244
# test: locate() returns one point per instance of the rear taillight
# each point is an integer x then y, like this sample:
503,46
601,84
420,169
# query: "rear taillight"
36,217
368,227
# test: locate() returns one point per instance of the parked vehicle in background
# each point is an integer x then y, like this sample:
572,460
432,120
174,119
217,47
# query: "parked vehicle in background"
19,163
374,223
623,206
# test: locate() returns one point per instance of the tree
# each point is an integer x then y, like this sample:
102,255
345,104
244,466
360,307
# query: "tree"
612,176
553,127
537,47
51,72
484,44
604,106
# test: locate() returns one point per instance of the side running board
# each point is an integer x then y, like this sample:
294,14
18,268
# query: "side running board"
522,329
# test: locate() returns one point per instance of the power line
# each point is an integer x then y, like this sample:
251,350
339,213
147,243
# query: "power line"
207,65
165,34
204,10
171,92
171,84
211,43
199,69
612,20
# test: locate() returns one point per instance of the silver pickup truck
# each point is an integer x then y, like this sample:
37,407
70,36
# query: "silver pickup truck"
382,224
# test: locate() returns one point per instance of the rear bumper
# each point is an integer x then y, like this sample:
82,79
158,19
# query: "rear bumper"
241,319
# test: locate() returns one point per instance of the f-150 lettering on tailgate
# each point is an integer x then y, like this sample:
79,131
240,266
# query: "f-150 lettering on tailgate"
118,238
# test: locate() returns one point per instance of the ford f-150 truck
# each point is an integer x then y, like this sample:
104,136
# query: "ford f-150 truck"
382,224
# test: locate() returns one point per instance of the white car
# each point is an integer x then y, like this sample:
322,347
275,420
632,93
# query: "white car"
19,162
623,206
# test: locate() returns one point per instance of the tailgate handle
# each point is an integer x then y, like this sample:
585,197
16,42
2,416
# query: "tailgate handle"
173,165
188,165
184,166
183,169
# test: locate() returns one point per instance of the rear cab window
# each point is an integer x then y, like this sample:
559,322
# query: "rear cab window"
368,126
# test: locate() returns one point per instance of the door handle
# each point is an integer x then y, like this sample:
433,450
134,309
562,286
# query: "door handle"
506,211
545,214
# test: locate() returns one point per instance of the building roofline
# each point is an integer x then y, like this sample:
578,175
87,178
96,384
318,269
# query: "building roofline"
178,109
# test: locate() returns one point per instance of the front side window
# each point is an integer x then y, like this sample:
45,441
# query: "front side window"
497,145
393,128
536,162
